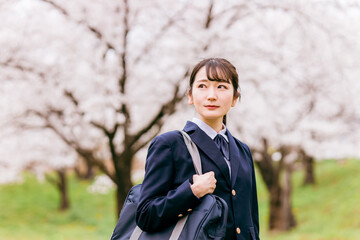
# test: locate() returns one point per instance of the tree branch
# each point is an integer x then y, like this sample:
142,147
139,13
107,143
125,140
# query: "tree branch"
88,154
10,64
122,80
140,145
90,28
167,109
72,98
155,40
209,16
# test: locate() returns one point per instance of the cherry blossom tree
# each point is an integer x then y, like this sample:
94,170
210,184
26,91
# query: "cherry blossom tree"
100,79
299,96
90,76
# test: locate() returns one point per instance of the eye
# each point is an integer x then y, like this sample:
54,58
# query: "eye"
223,86
201,86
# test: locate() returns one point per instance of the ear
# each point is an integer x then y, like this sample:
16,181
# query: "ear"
235,100
190,98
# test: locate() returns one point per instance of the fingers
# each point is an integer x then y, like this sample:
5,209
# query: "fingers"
204,184
211,173
211,178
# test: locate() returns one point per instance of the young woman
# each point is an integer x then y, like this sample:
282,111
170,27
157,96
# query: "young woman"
171,188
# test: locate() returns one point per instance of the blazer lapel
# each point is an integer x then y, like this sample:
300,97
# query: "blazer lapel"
208,146
234,158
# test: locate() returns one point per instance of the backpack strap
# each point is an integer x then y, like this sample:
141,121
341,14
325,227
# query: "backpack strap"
194,152
136,233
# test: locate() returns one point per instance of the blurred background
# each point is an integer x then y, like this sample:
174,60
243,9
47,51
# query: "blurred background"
86,85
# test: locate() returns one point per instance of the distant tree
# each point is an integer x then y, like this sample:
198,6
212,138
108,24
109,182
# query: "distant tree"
308,165
61,183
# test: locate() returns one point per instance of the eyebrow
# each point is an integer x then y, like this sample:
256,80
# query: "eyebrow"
202,80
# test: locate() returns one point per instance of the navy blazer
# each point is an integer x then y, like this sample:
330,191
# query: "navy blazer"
166,194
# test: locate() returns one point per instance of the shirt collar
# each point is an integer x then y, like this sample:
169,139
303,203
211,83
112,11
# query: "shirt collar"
209,130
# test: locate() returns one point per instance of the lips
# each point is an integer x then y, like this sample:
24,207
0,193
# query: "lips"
211,107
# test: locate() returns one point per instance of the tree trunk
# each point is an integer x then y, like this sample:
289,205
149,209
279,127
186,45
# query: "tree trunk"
121,194
84,169
287,214
123,176
63,189
275,208
308,163
281,216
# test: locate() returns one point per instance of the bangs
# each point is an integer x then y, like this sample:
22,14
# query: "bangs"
216,71
219,70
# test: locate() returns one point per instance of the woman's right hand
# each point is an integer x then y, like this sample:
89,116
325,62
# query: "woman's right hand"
203,184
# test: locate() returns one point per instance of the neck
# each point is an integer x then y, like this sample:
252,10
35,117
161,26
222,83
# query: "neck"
215,124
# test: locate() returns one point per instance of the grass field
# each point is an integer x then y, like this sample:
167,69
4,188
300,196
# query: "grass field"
329,210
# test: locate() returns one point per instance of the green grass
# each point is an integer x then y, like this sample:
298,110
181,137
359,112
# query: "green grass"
30,211
329,210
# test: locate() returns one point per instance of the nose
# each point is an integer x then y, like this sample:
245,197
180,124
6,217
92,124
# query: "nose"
211,96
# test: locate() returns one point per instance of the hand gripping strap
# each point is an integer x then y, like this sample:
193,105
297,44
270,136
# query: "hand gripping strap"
194,152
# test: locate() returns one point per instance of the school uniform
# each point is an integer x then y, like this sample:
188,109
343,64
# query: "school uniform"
166,194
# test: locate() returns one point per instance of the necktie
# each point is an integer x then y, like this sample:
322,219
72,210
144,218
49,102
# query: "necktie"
222,145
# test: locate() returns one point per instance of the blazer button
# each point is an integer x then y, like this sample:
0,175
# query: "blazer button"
238,230
180,215
233,192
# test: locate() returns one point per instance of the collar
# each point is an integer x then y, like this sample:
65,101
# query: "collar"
209,130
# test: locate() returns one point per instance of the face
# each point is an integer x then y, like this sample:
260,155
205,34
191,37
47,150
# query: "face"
212,100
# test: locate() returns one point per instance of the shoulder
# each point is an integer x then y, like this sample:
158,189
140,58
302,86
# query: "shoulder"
162,148
168,138
243,146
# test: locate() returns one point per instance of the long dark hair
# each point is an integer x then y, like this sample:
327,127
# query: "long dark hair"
220,70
